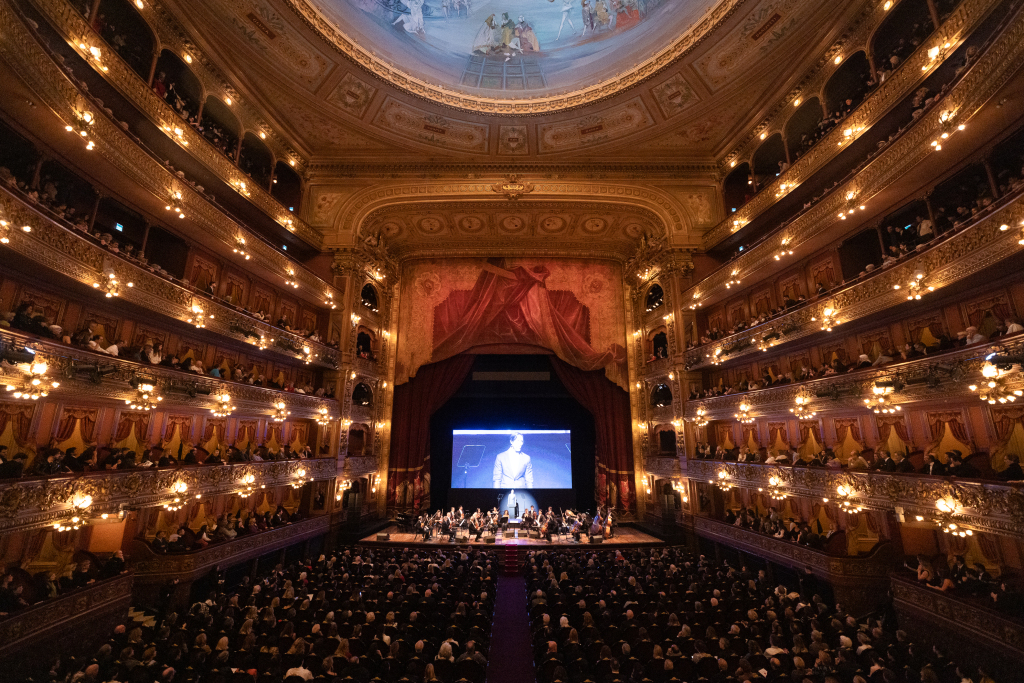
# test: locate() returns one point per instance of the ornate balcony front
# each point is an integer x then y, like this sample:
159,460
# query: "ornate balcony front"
985,506
39,502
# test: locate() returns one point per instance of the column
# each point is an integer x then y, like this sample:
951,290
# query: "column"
934,12
95,210
993,185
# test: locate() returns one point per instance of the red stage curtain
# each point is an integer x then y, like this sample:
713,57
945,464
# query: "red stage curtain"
513,306
415,402
20,415
610,407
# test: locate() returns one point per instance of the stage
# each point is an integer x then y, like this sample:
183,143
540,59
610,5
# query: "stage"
625,537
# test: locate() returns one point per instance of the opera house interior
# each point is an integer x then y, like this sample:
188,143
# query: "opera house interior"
378,341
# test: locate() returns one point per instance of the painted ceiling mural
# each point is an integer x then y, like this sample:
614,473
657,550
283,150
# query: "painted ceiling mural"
513,48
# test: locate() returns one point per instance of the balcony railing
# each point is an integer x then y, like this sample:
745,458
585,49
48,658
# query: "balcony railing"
985,506
43,627
972,90
43,501
69,252
965,252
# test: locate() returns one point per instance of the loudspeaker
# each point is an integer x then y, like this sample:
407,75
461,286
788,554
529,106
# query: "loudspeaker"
597,539
534,533
383,536
489,538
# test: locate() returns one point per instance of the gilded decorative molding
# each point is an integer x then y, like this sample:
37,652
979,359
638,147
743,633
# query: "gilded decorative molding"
971,92
151,568
962,618
87,605
970,251
34,503
454,99
876,105
57,91
552,171
62,250
986,506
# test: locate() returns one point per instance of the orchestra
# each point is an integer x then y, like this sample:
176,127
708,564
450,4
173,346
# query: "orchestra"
547,523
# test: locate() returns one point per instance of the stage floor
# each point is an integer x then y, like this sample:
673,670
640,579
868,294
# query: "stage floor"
624,536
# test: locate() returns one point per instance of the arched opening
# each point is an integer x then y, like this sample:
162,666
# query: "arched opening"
849,84
127,33
364,345
659,346
352,497
176,83
655,297
368,295
906,26
220,126
17,155
737,188
287,187
804,128
661,396
357,441
256,160
667,442
362,395
770,159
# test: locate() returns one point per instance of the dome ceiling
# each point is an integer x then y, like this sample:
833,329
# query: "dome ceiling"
485,55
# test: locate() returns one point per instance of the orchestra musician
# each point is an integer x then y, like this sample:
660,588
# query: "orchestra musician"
476,525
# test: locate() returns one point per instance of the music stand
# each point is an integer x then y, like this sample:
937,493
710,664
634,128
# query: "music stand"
468,459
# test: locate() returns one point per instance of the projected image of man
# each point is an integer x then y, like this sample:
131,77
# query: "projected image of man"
512,467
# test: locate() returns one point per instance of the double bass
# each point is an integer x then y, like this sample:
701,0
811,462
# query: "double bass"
608,525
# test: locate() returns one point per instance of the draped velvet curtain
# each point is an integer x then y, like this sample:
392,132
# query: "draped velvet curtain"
128,420
614,444
844,425
19,416
414,403
955,421
889,422
1005,420
86,419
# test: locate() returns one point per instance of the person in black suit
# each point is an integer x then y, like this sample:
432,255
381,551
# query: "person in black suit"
903,464
1013,471
932,465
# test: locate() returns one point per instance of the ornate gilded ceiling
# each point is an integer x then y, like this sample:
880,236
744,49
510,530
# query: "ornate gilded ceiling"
363,79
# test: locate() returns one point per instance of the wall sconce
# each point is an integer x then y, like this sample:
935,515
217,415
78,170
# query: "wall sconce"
701,417
5,229
946,120
291,281
723,480
280,413
355,319
223,407
733,279
83,121
329,301
35,385
79,504
248,483
802,409
175,205
744,415
851,203
785,251
916,287
147,398
323,416
301,479
111,286
829,318
240,248
307,355
176,132
199,317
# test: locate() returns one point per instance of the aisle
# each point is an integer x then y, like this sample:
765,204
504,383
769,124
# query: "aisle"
511,657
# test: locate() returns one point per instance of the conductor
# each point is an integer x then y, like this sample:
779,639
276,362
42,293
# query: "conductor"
512,467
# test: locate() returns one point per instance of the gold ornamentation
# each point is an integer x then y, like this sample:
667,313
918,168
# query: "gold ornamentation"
512,187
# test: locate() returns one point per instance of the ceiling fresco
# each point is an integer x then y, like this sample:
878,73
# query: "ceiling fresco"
513,49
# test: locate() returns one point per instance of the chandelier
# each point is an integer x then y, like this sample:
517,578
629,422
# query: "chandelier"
307,355
240,248
803,408
775,485
280,414
76,517
199,317
111,286
744,415
223,407
916,287
35,385
733,279
301,479
948,518
178,489
323,416
829,319
5,229
877,403
147,398
845,499
785,251
249,486
291,281
84,120
329,301
701,419
723,481
995,388
174,205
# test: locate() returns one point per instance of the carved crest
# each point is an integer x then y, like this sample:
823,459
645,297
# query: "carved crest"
512,187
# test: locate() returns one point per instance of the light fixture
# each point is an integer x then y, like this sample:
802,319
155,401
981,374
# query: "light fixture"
916,287
995,389
329,301
887,6
5,230
34,384
700,419
188,58
176,132
829,318
301,479
223,407
783,189
242,187
83,121
785,251
723,481
76,516
178,490
796,102
845,495
199,317
838,59
240,248
248,483
174,205
950,518
775,485
744,415
280,413
802,409
949,126
227,101
355,319
111,286
291,281
146,398
263,136
261,344
764,135
733,278
307,355
323,416
287,222
140,4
